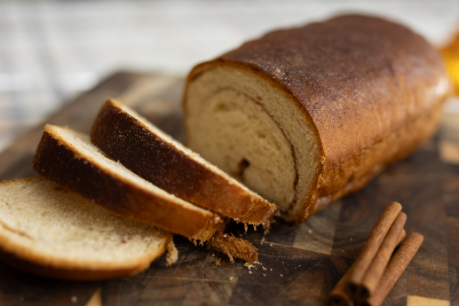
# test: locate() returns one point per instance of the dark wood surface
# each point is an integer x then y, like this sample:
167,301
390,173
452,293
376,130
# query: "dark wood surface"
299,265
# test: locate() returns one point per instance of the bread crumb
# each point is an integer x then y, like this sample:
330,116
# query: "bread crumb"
231,278
270,244
74,299
172,253
271,269
218,262
310,231
249,265
233,246
250,272
281,275
264,269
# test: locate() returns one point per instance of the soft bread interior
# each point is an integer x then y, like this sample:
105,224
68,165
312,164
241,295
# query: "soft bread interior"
253,130
42,222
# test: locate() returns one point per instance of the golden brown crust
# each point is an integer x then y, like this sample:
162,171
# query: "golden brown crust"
372,89
351,74
36,265
124,138
357,171
57,161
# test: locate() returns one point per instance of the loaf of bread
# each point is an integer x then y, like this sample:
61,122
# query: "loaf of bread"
304,116
69,159
49,231
141,147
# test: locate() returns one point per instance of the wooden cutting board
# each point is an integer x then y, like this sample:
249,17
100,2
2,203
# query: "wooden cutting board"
298,264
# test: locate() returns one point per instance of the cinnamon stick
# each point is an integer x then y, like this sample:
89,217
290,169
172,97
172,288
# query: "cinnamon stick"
338,296
395,268
371,246
402,236
367,286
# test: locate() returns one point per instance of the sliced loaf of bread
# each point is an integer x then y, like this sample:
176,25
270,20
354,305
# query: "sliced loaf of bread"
306,115
49,231
140,146
69,159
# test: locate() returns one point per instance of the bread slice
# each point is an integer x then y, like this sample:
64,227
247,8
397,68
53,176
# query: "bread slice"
49,231
306,115
69,159
129,138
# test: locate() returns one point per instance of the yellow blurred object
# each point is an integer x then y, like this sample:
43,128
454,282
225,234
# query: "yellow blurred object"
451,55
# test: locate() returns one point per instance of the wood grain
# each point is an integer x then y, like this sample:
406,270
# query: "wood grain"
95,300
298,265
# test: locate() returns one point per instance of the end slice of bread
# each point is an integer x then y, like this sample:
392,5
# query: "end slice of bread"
140,146
69,159
49,231
235,116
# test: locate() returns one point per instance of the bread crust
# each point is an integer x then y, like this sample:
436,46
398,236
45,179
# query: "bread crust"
126,139
35,264
355,172
56,160
364,83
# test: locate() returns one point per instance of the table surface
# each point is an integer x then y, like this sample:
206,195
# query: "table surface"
298,264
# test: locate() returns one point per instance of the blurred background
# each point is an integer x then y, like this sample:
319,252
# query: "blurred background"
53,50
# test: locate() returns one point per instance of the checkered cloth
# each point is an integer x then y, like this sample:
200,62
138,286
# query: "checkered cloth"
51,51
